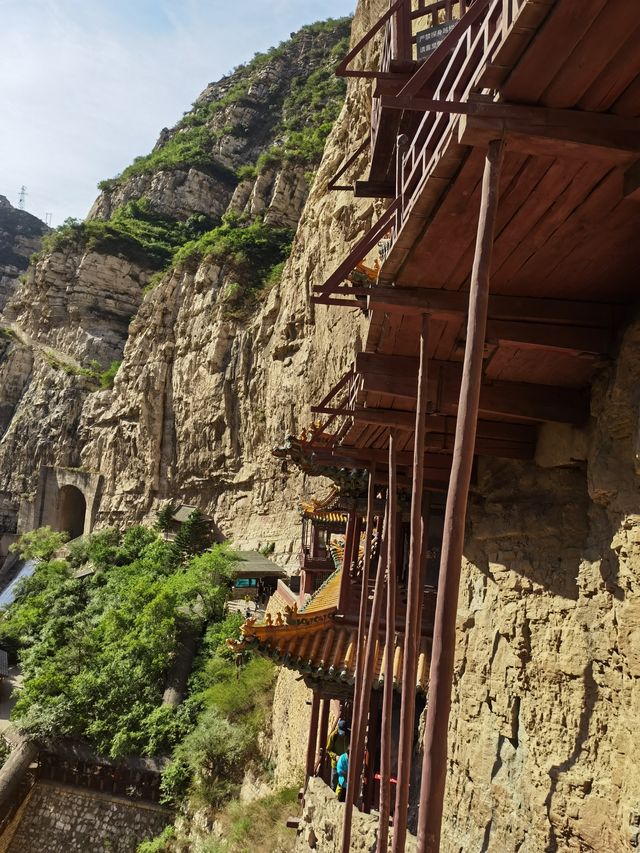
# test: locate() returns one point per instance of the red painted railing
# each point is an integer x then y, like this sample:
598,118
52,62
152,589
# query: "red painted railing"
475,48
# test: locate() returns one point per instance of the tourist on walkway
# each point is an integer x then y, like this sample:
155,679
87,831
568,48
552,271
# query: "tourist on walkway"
342,770
336,746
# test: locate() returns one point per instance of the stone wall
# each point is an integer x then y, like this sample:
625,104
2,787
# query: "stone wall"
62,819
321,825
543,746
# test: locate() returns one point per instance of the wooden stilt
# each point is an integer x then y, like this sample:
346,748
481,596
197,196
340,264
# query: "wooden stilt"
387,702
356,754
414,596
313,737
323,733
355,766
442,660
373,739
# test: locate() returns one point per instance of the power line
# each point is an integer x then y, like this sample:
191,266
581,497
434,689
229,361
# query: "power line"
22,197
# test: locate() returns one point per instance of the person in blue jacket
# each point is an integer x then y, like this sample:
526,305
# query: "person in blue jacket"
342,770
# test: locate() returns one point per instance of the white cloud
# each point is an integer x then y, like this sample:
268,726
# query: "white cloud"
86,85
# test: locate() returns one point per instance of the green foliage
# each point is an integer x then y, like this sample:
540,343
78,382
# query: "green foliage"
190,146
210,761
135,231
159,844
108,376
253,251
95,652
40,544
165,516
194,535
246,172
259,824
268,549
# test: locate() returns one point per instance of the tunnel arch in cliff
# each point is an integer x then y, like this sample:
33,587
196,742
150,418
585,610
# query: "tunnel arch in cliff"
65,499
72,511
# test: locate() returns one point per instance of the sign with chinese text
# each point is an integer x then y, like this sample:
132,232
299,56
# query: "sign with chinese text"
428,40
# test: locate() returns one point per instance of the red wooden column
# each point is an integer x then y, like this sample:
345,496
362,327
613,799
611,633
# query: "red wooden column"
434,765
387,701
355,767
313,737
345,580
323,734
415,592
401,29
356,754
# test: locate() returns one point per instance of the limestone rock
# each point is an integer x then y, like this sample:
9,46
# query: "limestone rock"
20,236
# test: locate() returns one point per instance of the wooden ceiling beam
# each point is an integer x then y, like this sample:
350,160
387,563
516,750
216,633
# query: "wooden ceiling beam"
530,309
373,189
437,465
446,425
397,376
610,144
570,132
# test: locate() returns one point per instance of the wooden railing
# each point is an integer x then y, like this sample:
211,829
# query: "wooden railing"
476,45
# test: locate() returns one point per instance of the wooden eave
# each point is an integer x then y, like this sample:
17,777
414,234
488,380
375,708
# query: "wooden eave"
319,642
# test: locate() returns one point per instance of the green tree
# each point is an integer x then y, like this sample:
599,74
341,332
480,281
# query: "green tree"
165,516
40,544
194,535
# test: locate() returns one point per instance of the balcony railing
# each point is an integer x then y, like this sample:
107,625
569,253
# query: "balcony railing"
316,563
475,48
449,81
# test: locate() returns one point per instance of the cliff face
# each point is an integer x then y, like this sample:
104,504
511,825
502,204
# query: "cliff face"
542,747
547,689
209,379
201,398
20,236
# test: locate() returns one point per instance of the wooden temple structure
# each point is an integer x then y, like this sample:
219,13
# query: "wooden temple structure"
505,139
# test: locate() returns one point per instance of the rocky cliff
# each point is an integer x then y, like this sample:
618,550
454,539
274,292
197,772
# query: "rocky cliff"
20,236
218,363
214,350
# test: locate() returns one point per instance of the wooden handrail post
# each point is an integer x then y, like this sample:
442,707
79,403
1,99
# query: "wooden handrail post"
355,767
401,22
434,765
414,596
402,144
387,701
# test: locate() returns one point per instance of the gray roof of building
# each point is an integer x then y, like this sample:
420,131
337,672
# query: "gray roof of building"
253,564
183,512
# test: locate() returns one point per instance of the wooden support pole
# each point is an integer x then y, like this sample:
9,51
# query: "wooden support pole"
356,755
355,769
402,33
323,734
387,701
345,580
434,765
313,737
415,591
373,739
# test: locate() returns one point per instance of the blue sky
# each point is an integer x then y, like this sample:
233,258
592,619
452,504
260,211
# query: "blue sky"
86,85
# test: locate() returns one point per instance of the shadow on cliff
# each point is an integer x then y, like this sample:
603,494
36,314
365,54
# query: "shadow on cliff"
590,698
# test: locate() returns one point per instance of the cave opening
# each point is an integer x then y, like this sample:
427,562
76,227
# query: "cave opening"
72,509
